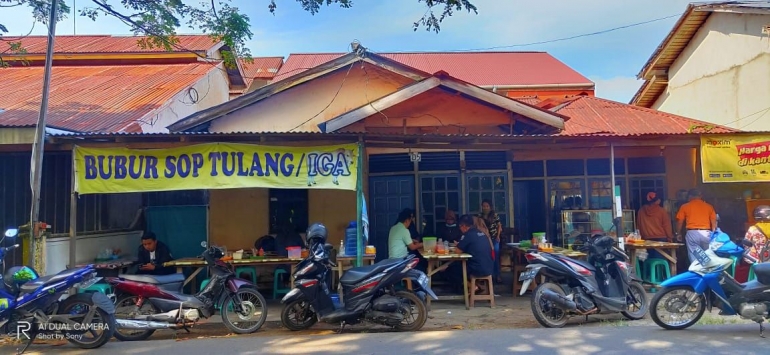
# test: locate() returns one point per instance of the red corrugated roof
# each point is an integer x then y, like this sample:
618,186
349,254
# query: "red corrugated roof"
106,44
264,68
478,68
597,116
96,98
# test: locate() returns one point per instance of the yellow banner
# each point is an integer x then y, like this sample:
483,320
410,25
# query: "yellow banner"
735,158
215,166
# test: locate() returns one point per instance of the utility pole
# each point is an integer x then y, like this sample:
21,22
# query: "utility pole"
38,147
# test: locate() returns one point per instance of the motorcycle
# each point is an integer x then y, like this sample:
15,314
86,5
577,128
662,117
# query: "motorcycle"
708,284
367,293
31,306
604,284
156,302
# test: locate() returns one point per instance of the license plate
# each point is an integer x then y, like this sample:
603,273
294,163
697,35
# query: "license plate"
89,283
423,280
528,275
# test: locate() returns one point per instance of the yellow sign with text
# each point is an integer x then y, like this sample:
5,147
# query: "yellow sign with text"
735,158
215,166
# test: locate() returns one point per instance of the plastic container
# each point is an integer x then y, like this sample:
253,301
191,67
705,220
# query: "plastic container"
336,301
294,252
371,250
429,244
351,239
238,255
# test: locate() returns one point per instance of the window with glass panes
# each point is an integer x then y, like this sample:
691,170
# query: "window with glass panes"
491,187
437,194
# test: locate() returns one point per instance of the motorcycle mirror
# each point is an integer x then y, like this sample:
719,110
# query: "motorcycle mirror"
204,244
747,243
11,233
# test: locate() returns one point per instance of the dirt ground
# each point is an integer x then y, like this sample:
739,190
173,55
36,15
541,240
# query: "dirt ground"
509,313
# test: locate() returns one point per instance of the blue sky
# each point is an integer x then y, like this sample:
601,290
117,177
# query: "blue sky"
612,60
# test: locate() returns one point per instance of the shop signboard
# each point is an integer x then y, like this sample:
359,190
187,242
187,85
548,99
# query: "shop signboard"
735,158
215,166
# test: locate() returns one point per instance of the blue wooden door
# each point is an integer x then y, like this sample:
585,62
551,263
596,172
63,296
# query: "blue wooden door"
388,196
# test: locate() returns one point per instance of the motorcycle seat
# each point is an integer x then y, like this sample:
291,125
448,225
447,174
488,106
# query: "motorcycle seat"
154,279
357,274
762,271
35,284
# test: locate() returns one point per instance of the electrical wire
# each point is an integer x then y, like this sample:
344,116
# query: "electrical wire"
558,39
332,100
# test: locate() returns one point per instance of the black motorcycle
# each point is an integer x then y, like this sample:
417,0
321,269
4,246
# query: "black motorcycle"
604,284
368,293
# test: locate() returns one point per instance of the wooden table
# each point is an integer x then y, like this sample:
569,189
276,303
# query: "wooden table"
368,259
520,263
438,263
668,250
109,267
200,264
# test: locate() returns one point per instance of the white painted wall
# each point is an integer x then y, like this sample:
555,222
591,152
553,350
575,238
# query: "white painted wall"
212,89
723,75
88,247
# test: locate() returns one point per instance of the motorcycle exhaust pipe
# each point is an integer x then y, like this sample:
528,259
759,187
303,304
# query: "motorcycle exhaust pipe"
559,300
143,324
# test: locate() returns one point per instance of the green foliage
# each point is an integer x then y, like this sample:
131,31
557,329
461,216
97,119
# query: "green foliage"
158,20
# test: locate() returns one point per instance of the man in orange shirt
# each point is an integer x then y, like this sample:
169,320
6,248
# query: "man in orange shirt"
700,219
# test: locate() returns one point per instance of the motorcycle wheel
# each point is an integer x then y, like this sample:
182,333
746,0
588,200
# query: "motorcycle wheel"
72,305
304,316
133,334
676,303
637,290
422,312
544,311
251,301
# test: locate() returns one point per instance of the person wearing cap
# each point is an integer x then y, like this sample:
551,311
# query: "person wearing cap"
654,223
700,220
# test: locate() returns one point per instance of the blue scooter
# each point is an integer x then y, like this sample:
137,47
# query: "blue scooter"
685,297
30,305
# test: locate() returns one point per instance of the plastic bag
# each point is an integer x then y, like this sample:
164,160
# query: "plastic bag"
642,255
722,245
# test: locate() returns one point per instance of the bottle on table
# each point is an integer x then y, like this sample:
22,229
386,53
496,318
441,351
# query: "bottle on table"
342,248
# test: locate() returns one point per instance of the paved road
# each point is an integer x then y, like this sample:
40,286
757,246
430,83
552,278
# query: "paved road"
722,339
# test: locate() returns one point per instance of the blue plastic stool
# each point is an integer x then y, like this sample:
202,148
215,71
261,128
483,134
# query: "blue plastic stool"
732,267
247,270
97,287
276,290
657,269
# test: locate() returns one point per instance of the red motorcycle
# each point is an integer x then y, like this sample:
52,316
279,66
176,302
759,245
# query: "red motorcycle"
156,302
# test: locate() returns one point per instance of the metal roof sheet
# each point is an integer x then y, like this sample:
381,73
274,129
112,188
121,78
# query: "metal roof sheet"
81,44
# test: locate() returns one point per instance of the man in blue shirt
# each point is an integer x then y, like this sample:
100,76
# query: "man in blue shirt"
475,243
399,239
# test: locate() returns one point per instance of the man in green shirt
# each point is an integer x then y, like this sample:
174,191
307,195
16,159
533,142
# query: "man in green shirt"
399,239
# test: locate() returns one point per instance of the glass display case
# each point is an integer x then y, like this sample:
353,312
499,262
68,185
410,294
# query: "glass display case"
575,223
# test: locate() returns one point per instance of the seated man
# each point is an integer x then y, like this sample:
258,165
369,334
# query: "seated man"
400,241
475,243
152,254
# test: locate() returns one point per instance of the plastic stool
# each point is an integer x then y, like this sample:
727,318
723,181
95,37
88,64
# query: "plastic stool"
654,268
732,267
751,277
276,290
638,269
98,287
247,270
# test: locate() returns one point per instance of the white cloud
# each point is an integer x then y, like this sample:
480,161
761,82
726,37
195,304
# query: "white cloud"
621,88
